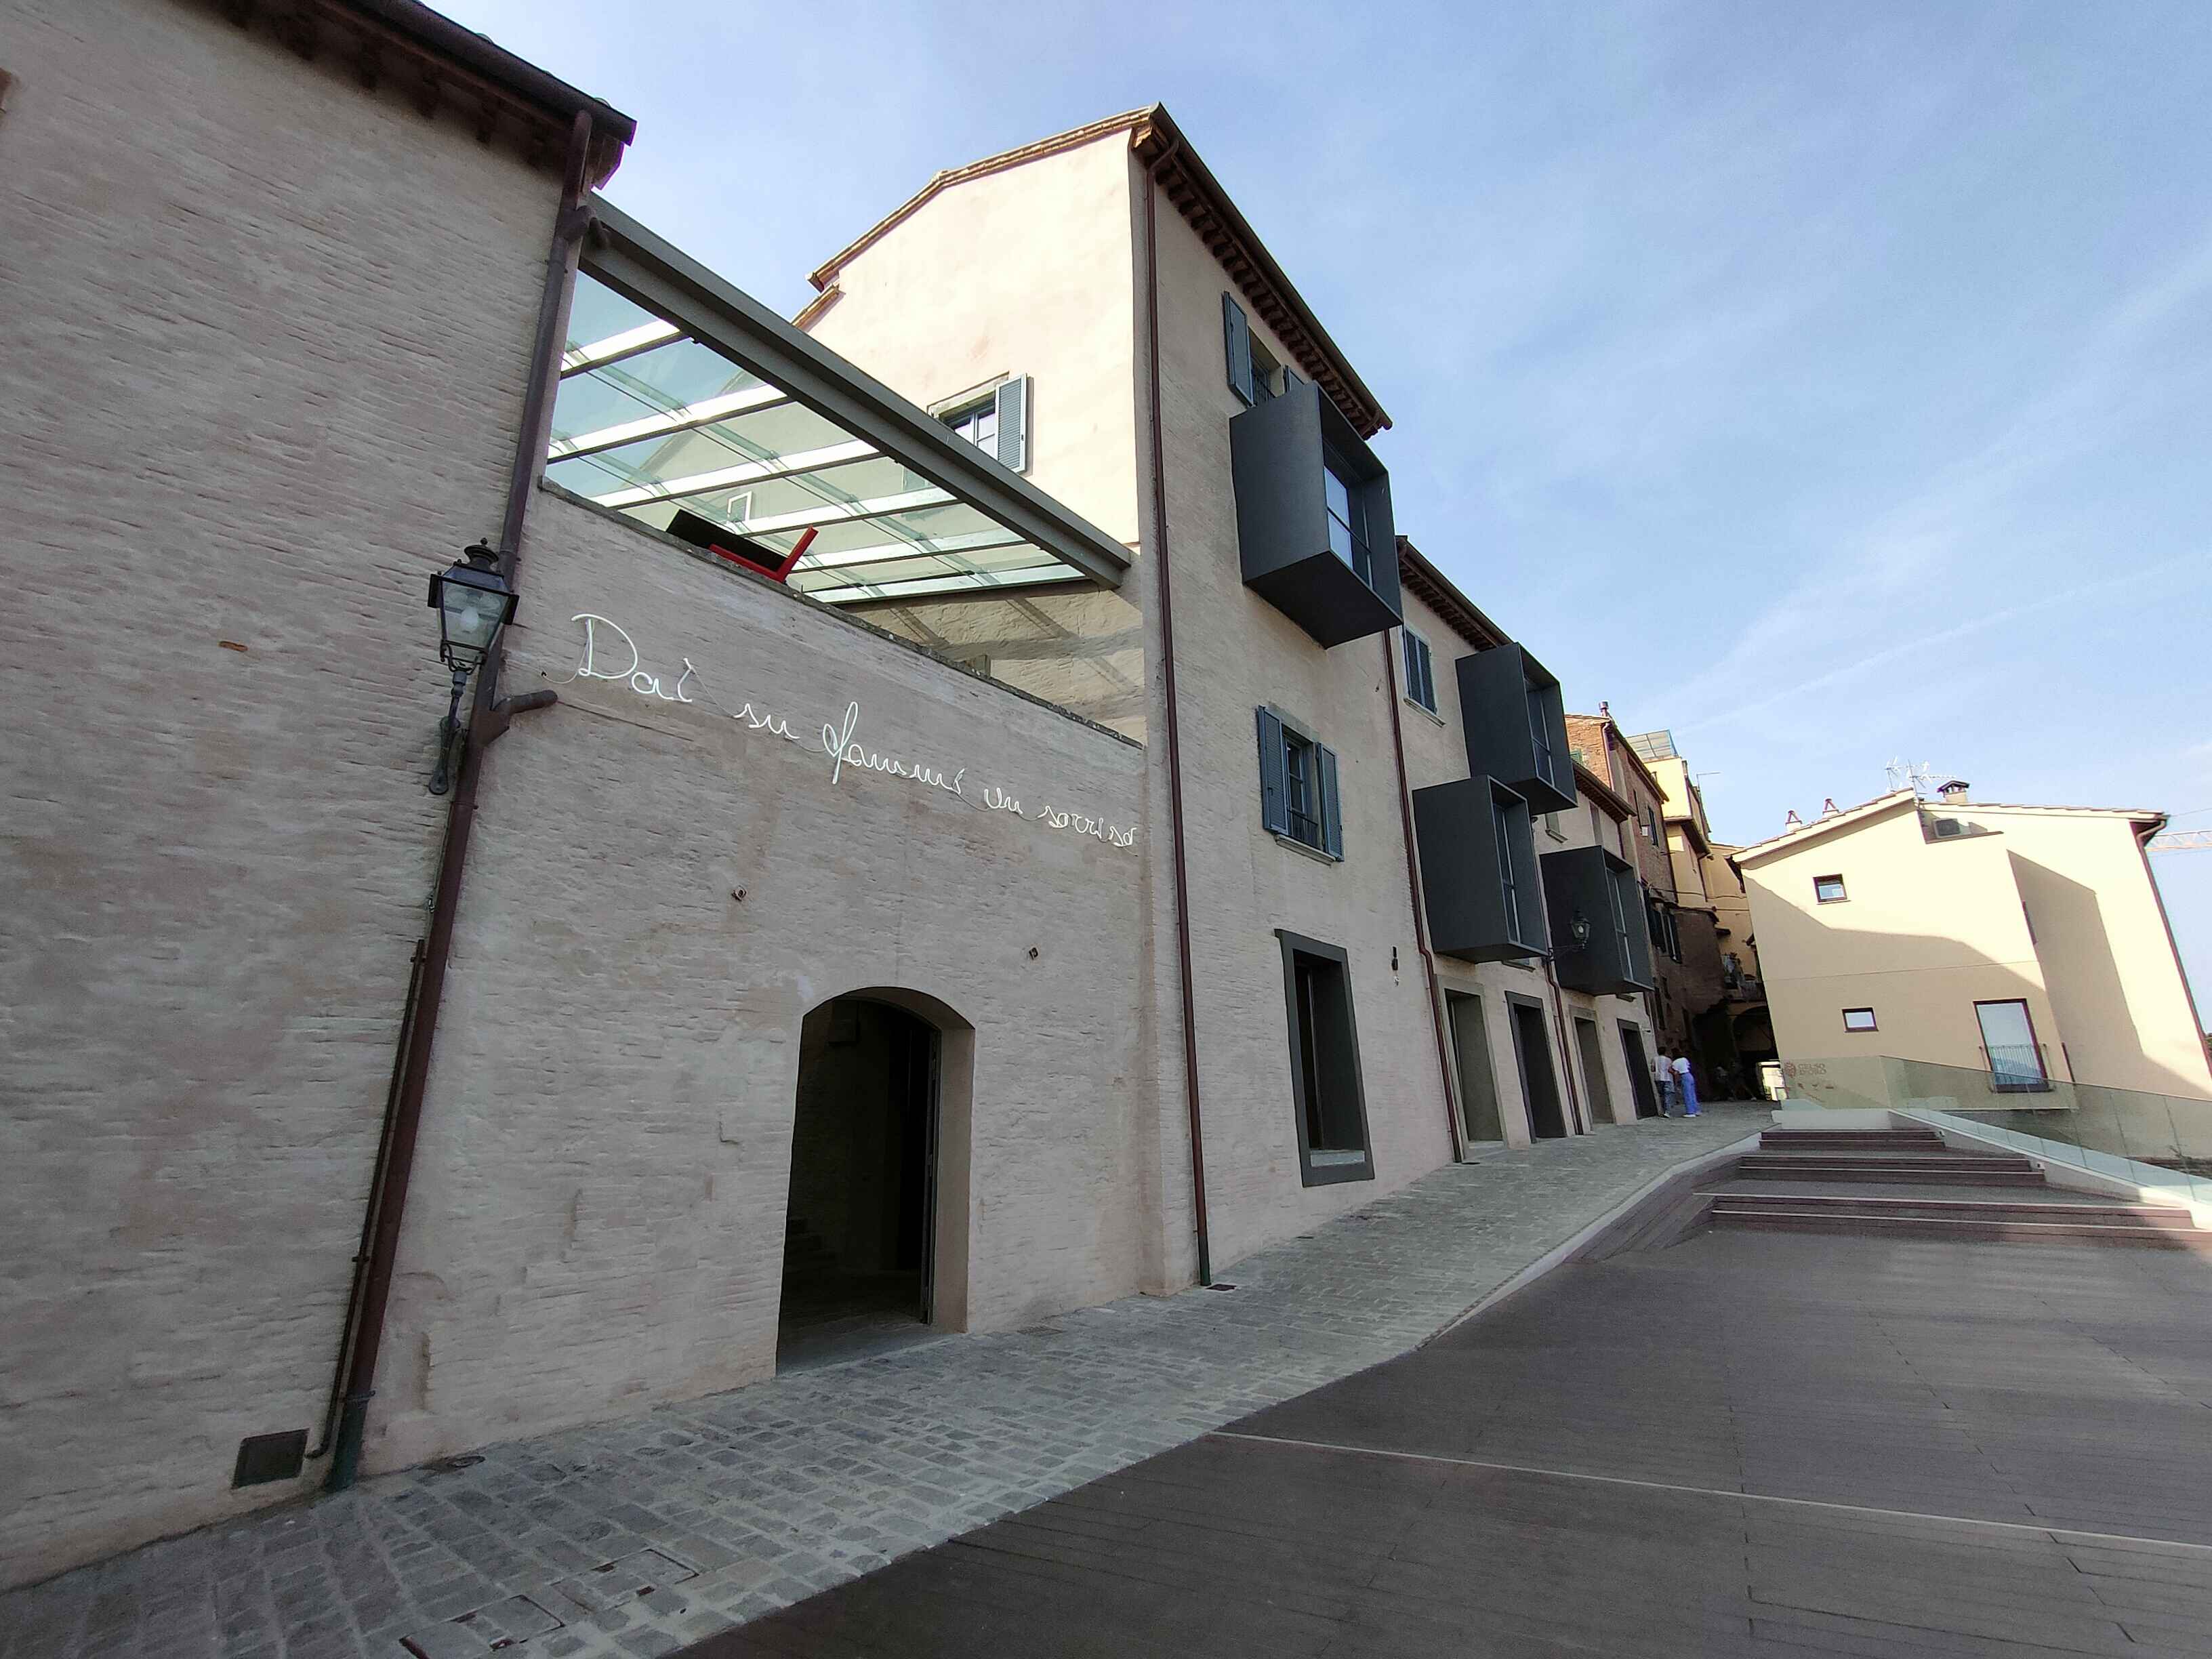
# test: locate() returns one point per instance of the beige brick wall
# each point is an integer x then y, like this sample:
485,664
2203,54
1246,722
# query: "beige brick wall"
265,338
598,1211
1056,228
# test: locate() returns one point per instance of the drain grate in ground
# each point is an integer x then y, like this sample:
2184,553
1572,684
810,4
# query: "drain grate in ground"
504,1624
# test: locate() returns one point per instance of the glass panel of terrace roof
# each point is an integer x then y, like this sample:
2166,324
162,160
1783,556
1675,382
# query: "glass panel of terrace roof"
668,430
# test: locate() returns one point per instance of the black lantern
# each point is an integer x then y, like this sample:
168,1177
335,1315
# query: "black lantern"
473,602
1579,930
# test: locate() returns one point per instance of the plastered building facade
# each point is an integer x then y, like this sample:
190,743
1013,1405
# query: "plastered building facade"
761,857
2026,943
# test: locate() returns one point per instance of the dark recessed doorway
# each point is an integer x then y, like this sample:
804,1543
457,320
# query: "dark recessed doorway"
857,1235
1539,1082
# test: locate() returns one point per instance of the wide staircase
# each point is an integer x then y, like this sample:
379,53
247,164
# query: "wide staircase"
1906,1183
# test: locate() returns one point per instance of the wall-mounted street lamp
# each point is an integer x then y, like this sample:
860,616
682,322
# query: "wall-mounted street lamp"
473,602
1579,930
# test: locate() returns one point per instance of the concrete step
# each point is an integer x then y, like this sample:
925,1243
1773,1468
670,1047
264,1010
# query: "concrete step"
1953,1170
1902,1140
1847,1206
2007,1232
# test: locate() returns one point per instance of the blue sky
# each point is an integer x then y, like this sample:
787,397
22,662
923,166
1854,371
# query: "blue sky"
1825,382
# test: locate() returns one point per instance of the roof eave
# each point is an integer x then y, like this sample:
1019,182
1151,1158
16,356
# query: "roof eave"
1198,196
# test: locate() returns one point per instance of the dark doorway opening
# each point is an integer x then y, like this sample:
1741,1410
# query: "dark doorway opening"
857,1239
1593,1059
1639,1071
1540,1083
1477,1079
1332,1101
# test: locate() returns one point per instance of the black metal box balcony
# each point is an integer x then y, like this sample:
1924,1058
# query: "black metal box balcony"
1314,531
1594,893
1479,871
1517,726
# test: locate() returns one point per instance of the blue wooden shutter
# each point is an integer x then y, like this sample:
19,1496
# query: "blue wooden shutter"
1274,807
1014,424
1331,819
1236,334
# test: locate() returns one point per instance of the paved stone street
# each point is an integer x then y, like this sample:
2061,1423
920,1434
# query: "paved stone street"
636,1538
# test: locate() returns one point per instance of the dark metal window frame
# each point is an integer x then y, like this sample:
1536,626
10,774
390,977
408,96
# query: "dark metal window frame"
1842,894
1293,946
2038,1084
1855,1030
1308,780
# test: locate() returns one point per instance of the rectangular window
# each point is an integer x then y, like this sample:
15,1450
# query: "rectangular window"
1539,733
997,424
1299,796
978,423
1347,523
2009,1040
1420,670
1512,888
1551,827
1859,1020
1330,1097
1828,889
1263,374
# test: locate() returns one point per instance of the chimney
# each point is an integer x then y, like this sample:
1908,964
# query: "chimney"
1793,823
1604,709
1828,807
1953,792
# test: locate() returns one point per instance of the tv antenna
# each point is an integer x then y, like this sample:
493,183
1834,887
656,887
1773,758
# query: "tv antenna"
1919,776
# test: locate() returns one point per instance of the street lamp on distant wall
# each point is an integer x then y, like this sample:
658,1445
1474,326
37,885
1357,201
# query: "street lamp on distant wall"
1579,930
473,602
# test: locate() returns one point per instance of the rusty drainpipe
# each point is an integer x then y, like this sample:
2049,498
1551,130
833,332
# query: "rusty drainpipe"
1173,723
387,1202
1414,888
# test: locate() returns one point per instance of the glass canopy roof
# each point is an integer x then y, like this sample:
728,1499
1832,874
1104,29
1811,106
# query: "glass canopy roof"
669,431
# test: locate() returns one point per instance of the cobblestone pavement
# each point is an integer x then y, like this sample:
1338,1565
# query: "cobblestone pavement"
636,1538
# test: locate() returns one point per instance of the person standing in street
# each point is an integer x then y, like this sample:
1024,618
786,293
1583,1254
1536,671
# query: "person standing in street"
1685,1085
1663,1074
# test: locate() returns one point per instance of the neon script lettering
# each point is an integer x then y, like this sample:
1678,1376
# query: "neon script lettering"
606,641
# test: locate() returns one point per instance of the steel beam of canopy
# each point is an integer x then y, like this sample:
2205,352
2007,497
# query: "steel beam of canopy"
978,541
705,412
980,581
652,273
616,348
797,465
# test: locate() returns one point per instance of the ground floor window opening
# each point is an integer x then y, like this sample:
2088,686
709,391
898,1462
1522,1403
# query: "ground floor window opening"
1540,1080
1588,1047
1641,1084
1330,1097
1477,1079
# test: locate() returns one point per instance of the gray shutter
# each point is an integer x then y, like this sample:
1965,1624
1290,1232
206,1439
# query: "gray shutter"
1290,378
1236,334
1331,819
1274,807
1014,424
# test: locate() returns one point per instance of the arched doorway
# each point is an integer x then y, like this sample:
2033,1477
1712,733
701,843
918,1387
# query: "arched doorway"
861,1228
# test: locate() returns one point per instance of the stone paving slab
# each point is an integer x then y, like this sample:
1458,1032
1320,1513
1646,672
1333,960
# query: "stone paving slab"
636,1538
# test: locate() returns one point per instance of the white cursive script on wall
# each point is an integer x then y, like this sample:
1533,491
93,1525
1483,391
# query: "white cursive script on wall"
606,642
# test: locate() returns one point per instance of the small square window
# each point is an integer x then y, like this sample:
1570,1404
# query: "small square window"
1829,890
1859,1020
